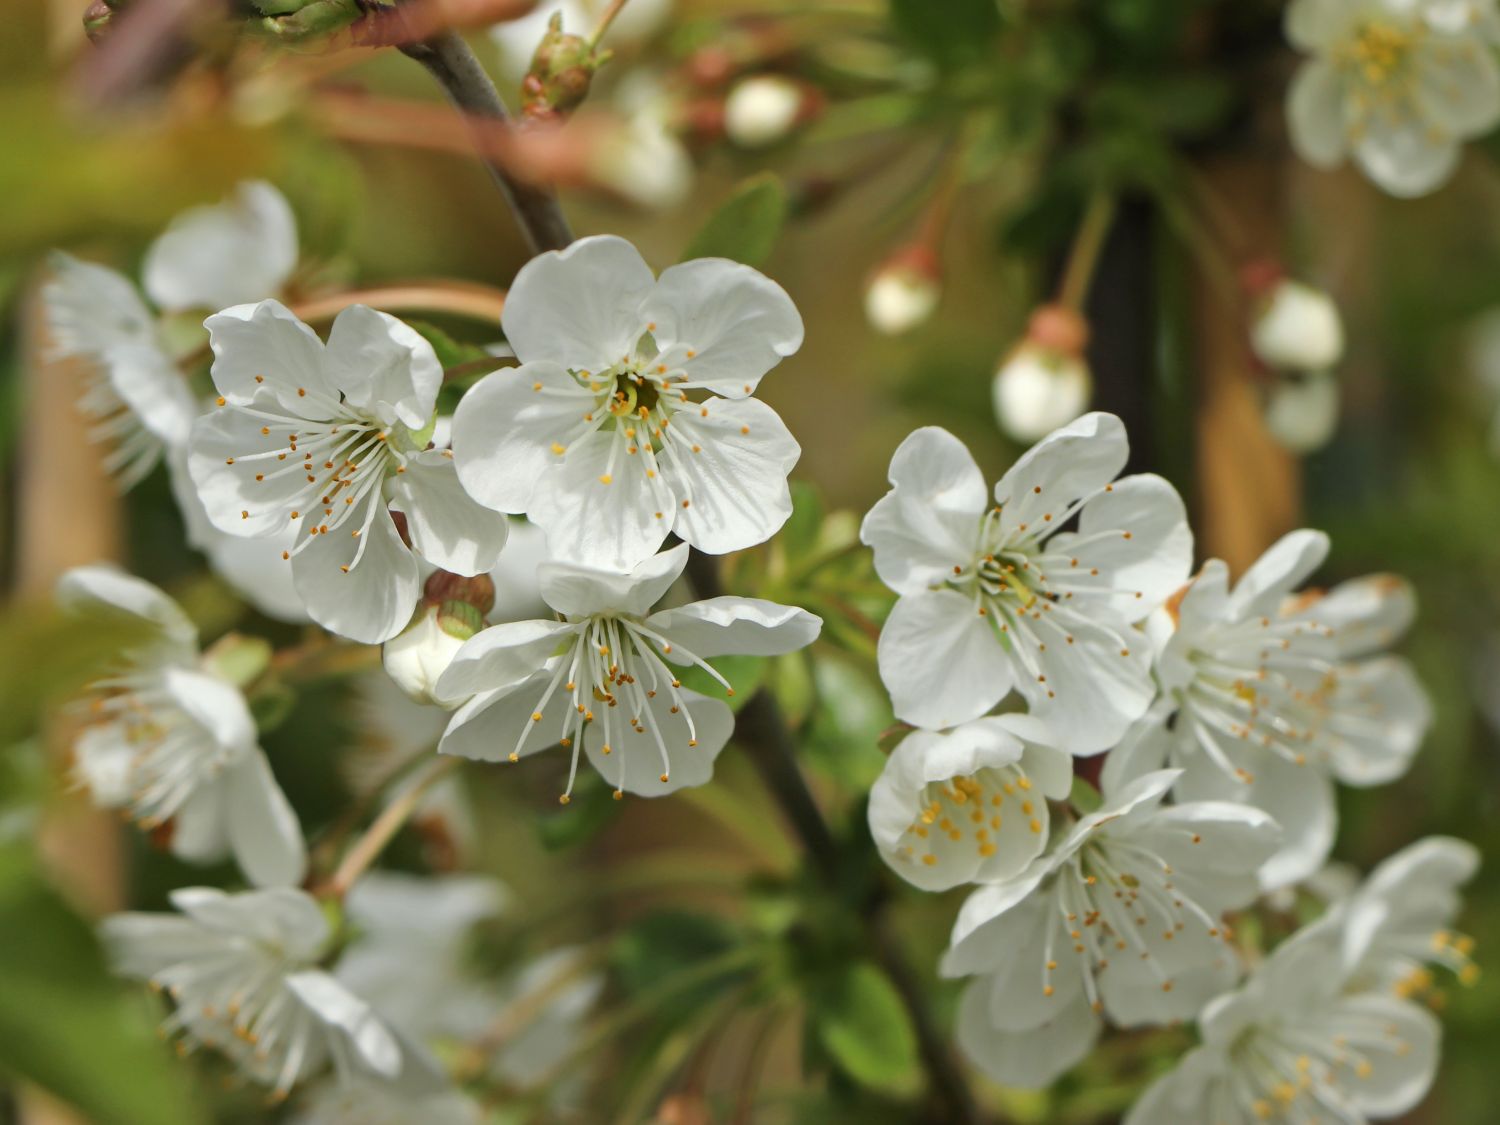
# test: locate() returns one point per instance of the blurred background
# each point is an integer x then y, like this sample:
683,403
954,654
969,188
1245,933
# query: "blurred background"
977,132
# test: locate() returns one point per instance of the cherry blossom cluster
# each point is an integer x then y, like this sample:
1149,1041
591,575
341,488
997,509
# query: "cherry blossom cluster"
1055,619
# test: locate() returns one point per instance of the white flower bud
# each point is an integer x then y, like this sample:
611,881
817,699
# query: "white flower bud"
416,658
1038,389
1297,328
904,291
762,110
1302,410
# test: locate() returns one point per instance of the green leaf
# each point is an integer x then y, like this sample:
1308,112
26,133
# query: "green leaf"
861,1022
744,229
948,31
450,352
64,1023
744,674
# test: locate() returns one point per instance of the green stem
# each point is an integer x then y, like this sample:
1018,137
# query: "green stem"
393,817
1087,246
602,28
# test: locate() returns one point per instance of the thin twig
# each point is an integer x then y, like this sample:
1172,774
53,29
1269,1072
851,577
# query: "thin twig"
1087,246
449,60
367,848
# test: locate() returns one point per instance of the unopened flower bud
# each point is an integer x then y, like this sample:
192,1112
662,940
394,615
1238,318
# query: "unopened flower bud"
96,19
417,658
1302,410
904,291
477,590
562,69
1044,383
762,110
1295,326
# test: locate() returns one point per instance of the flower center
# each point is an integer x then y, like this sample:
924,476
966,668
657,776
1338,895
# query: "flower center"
1380,53
975,805
1292,1074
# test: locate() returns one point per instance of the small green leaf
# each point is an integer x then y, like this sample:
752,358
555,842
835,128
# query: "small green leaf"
861,1022
1084,797
744,229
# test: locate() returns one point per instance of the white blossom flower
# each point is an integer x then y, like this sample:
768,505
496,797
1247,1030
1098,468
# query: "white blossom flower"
1302,410
1297,327
1121,917
172,741
1268,697
601,680
642,159
905,291
540,1016
967,805
242,970
239,250
595,436
335,436
1000,597
1293,1046
1396,85
762,110
1391,927
1038,389
417,657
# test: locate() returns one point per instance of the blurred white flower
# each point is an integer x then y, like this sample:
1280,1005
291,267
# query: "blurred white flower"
1267,696
1397,85
1038,389
239,250
1292,1045
762,110
1302,410
1123,917
904,291
242,970
609,653
418,656
1297,327
642,159
995,597
172,741
959,807
335,436
594,436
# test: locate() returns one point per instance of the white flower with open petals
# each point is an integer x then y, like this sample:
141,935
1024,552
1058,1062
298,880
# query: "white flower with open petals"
172,741
242,970
1121,917
329,439
967,805
1267,696
1397,85
1004,596
601,679
631,413
1293,1046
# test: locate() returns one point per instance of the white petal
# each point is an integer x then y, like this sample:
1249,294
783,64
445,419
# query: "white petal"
510,427
941,661
502,655
149,383
994,922
732,493
142,945
105,588
383,367
1096,686
1300,798
581,591
733,321
1458,87
1215,850
1404,157
1198,965
1067,465
268,340
447,527
518,594
1151,557
104,760
1315,24
634,762
216,706
929,522
599,507
494,724
258,572
262,827
199,833
1315,110
92,309
221,465
1400,1041
742,626
1366,614
374,1044
373,600
1183,1093
1286,564
580,307
1033,1058
1377,717
1143,749
284,917
240,250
